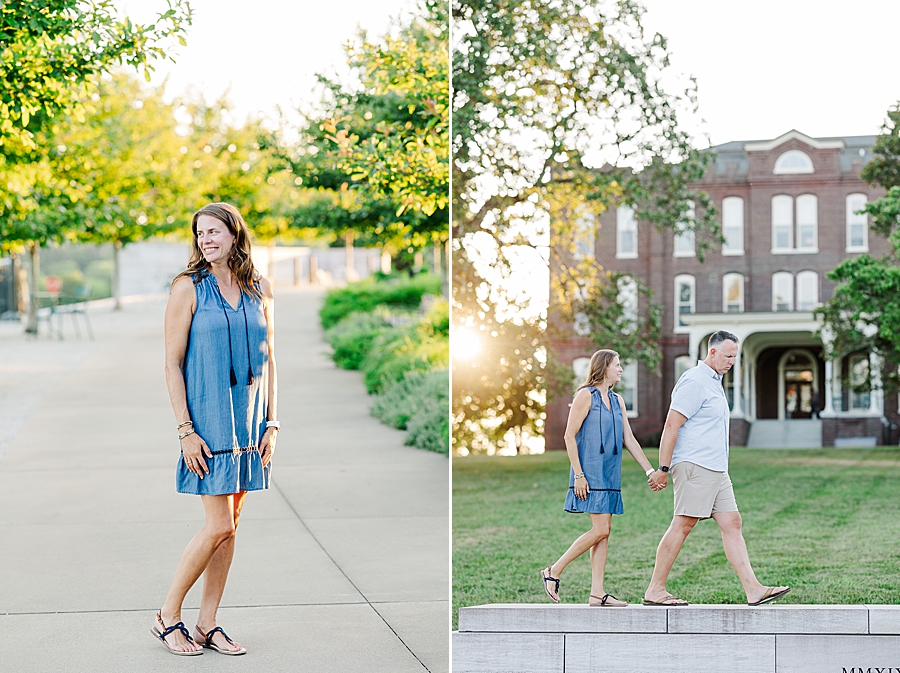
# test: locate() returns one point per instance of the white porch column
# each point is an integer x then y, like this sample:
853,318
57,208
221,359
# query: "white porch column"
876,396
828,389
737,409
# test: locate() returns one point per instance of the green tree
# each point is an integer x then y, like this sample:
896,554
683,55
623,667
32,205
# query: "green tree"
559,113
380,145
51,52
863,314
50,48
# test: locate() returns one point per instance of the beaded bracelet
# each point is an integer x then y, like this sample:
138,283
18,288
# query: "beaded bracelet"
579,476
185,434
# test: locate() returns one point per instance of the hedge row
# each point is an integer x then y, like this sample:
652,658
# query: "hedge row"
403,354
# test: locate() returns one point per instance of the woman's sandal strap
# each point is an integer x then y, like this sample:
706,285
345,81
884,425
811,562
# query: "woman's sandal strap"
209,634
176,627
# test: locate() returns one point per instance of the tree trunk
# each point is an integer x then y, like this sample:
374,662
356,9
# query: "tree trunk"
351,266
116,290
35,255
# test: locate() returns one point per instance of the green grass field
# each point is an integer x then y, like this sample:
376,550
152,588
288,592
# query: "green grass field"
824,521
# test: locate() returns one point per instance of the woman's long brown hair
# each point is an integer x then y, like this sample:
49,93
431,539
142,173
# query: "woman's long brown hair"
600,362
240,262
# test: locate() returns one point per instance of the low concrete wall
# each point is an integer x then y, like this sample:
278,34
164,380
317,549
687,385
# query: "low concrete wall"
690,639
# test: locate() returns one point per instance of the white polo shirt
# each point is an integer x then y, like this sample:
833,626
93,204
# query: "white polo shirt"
703,438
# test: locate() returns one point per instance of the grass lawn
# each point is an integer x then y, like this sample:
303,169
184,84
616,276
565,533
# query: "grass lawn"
824,521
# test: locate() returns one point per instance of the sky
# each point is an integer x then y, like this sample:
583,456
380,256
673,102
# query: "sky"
265,52
766,67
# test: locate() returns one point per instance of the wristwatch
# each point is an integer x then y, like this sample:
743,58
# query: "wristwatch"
663,468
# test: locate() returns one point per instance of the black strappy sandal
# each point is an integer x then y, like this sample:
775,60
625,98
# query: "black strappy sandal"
208,642
168,631
549,578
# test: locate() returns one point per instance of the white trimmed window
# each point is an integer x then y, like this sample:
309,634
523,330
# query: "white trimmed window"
859,374
793,162
733,293
782,291
684,239
628,388
786,238
682,364
733,225
807,223
585,228
628,298
580,367
857,224
807,290
685,299
782,223
626,233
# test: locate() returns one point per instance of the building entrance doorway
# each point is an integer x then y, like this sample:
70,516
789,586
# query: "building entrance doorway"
799,385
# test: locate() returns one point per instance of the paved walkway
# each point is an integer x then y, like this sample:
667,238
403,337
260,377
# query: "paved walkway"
342,566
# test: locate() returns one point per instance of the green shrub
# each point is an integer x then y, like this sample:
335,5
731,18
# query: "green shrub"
364,296
404,349
419,403
353,336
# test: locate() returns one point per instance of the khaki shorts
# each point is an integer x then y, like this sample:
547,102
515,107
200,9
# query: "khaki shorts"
700,492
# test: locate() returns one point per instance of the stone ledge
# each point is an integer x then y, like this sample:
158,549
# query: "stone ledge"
692,639
703,619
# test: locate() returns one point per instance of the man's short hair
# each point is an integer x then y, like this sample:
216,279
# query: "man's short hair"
722,335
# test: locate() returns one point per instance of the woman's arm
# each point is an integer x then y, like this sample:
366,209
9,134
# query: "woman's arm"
634,448
581,405
267,443
179,314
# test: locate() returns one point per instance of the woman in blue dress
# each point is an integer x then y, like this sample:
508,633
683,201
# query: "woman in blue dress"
595,433
220,371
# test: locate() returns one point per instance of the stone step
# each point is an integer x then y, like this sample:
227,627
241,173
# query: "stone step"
803,433
690,639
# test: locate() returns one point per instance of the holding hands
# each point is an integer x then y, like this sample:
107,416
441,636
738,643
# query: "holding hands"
658,480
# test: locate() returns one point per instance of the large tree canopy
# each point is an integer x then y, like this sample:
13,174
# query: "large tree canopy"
559,112
48,48
864,312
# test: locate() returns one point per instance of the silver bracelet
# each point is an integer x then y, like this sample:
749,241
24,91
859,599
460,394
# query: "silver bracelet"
579,476
185,434
181,425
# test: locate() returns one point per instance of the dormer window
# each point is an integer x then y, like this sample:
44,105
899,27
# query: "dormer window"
793,162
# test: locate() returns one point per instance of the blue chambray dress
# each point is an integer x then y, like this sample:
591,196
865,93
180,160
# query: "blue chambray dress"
600,450
231,419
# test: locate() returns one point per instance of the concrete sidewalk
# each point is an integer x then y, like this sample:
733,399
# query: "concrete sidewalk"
342,566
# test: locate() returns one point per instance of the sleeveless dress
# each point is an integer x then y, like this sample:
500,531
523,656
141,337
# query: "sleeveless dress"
229,413
600,450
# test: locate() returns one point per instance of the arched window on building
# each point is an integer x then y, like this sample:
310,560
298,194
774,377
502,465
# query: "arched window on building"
626,233
860,395
682,364
733,225
807,290
807,223
580,367
857,224
685,299
628,297
628,388
782,223
684,241
585,234
793,162
782,291
733,293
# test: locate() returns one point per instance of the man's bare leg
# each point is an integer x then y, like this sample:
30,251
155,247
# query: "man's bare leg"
737,555
666,553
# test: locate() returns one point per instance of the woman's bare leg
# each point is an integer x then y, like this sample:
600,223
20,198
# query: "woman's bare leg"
218,530
599,532
214,578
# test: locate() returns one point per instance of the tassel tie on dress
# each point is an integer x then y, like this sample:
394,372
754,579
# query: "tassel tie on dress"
600,421
250,376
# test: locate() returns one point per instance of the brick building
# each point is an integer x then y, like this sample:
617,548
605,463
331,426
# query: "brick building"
788,214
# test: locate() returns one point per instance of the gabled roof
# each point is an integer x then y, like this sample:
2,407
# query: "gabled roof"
793,134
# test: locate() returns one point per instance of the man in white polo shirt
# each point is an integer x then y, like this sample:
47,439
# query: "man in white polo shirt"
694,450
